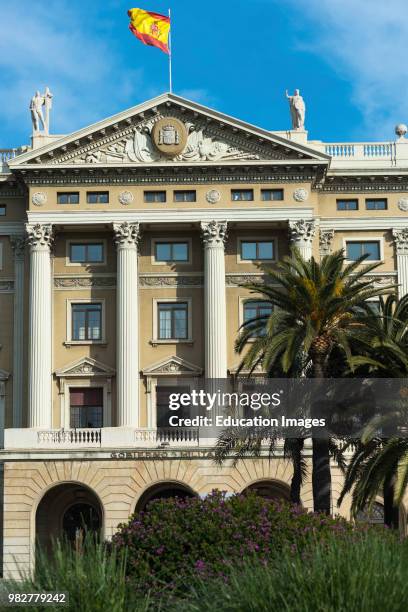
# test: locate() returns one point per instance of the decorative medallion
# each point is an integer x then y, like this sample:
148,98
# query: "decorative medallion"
300,194
169,136
213,196
39,198
126,197
403,204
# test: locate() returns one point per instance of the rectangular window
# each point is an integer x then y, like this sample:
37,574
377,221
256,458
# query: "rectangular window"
378,204
86,252
86,407
185,196
3,210
154,196
253,250
371,248
242,195
269,195
173,320
66,197
97,197
171,251
257,309
163,412
86,321
347,204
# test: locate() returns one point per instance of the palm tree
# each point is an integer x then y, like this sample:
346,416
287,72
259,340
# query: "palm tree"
316,309
380,463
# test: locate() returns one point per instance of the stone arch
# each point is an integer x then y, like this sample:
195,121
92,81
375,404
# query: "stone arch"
269,488
64,508
161,490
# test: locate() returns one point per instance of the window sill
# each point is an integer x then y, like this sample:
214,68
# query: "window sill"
156,341
69,343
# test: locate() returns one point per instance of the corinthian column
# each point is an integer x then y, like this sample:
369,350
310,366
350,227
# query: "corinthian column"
40,327
18,246
301,234
214,235
126,238
401,247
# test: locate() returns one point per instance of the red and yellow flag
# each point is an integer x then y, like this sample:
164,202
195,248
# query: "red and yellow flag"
151,28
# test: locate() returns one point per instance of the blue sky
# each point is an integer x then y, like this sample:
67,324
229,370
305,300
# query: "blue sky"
348,58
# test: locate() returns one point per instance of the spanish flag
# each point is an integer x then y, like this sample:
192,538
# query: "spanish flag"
151,28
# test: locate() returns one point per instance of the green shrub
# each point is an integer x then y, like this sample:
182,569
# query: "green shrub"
371,574
176,537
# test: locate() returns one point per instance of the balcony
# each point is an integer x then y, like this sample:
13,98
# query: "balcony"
393,154
105,438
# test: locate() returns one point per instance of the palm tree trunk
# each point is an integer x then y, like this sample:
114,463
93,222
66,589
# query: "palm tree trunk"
391,511
321,474
296,481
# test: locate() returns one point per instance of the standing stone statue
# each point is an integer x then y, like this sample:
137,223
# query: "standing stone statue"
297,110
36,107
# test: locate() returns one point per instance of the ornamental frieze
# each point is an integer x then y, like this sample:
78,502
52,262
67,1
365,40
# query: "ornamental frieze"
84,282
146,281
6,286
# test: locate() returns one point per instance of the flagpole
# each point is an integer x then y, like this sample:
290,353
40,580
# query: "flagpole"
170,54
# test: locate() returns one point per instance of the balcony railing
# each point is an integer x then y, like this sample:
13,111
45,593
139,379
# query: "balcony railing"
74,437
6,155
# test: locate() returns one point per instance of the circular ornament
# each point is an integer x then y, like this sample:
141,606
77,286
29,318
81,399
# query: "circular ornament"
169,136
300,194
126,197
213,196
403,204
401,129
39,198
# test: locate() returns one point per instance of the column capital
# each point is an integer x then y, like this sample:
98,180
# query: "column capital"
401,240
126,234
325,241
39,236
302,231
18,244
214,233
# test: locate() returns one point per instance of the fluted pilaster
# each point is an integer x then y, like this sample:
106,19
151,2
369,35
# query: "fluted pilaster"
40,239
214,236
126,238
18,246
401,247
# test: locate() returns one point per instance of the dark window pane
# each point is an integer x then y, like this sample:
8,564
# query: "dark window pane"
242,195
154,196
265,250
248,250
68,197
184,196
355,250
95,253
86,407
255,309
163,251
347,204
172,321
268,195
376,204
180,251
86,321
3,210
372,249
78,253
97,197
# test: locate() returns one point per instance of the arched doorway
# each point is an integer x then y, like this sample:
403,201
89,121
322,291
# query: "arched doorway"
269,489
67,511
163,490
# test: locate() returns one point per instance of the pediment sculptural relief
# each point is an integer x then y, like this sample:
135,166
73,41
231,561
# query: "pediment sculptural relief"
165,139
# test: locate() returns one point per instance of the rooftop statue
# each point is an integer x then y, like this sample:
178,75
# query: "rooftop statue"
38,101
297,110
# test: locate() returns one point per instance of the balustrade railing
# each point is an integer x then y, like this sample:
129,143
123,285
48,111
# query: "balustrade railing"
82,437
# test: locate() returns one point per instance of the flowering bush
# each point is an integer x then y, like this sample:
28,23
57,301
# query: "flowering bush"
177,537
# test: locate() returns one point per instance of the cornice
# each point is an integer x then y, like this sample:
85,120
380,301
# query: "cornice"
363,223
84,217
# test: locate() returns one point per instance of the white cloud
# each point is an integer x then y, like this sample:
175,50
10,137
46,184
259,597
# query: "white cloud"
51,44
366,42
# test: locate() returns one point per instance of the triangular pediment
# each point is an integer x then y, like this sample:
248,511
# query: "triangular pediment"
85,367
173,366
167,130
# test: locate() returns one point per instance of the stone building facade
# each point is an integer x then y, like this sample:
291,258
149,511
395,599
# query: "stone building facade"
123,248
